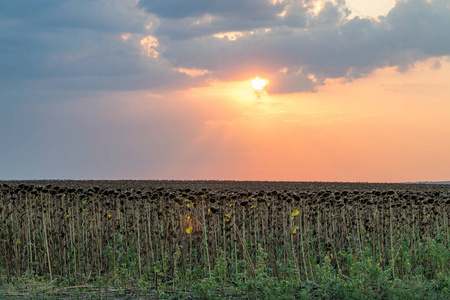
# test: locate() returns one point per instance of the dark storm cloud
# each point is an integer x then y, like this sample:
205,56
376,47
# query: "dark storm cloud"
213,17
102,15
179,20
242,16
77,45
327,45
178,9
421,28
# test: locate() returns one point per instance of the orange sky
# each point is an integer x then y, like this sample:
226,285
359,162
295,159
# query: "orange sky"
161,89
387,127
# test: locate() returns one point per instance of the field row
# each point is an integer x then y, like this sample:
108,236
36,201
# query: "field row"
180,234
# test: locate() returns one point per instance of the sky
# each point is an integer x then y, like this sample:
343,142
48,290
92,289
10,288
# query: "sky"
162,89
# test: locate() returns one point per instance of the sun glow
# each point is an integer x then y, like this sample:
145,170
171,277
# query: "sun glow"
258,84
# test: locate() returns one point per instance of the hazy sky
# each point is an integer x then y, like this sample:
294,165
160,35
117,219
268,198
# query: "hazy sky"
161,89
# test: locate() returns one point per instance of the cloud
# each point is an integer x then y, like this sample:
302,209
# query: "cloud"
100,15
79,45
128,45
325,43
179,9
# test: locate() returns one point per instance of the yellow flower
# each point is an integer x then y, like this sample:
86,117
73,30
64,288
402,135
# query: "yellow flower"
294,230
189,230
109,216
188,217
189,206
295,212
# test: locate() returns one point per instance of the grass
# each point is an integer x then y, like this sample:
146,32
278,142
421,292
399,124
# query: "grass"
365,279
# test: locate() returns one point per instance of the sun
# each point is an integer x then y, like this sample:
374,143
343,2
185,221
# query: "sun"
258,84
